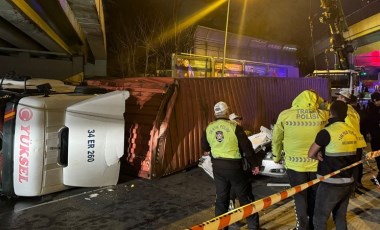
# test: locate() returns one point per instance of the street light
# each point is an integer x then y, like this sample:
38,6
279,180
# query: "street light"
225,37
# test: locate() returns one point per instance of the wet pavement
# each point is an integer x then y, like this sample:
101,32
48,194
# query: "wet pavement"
177,201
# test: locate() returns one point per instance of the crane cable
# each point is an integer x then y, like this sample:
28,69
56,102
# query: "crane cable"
311,33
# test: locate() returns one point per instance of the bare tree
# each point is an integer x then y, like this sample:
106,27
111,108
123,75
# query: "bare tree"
136,44
124,50
186,39
122,47
182,42
148,29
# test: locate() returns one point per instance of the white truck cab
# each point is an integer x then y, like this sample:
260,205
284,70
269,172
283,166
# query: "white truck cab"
340,79
55,141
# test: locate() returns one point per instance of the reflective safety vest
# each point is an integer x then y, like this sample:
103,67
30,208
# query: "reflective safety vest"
295,132
353,120
222,139
339,153
343,140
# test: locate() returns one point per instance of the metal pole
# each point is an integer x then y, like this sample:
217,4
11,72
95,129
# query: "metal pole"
225,37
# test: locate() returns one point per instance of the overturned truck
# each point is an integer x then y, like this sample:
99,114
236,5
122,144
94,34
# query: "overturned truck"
55,136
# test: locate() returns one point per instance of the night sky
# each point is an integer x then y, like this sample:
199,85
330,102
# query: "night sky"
278,21
282,21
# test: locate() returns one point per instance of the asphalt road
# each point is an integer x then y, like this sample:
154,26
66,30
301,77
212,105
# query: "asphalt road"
176,201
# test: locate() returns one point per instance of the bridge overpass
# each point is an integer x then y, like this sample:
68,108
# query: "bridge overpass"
54,38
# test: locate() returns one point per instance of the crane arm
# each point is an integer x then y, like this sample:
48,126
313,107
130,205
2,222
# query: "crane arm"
333,16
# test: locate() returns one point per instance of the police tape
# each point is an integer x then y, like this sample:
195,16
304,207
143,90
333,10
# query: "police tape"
240,213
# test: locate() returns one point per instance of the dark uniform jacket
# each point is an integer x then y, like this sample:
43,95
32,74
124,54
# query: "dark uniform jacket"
373,125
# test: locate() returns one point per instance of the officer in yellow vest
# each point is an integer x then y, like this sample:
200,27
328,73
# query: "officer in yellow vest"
335,148
293,133
353,120
227,142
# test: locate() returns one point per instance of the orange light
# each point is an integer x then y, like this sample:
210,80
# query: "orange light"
191,20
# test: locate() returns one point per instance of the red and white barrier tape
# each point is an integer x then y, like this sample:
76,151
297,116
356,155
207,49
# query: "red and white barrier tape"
254,207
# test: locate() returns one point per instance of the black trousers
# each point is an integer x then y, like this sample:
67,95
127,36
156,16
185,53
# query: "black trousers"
333,199
358,170
237,179
305,200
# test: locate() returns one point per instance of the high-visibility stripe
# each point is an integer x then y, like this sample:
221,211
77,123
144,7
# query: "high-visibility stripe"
337,180
340,154
299,159
236,214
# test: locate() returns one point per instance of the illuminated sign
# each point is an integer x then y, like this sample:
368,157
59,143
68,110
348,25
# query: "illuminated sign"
230,70
187,67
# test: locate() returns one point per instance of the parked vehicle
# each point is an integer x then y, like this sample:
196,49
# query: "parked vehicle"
54,137
262,142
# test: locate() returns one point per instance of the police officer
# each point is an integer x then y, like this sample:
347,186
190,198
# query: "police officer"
227,143
335,148
293,133
373,127
353,120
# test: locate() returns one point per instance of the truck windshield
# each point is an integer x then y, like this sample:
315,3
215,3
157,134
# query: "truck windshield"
340,81
339,78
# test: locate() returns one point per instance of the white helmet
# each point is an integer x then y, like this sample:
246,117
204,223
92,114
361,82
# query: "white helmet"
221,109
234,117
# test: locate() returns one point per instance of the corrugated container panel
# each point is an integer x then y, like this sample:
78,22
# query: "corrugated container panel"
146,111
165,125
258,100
